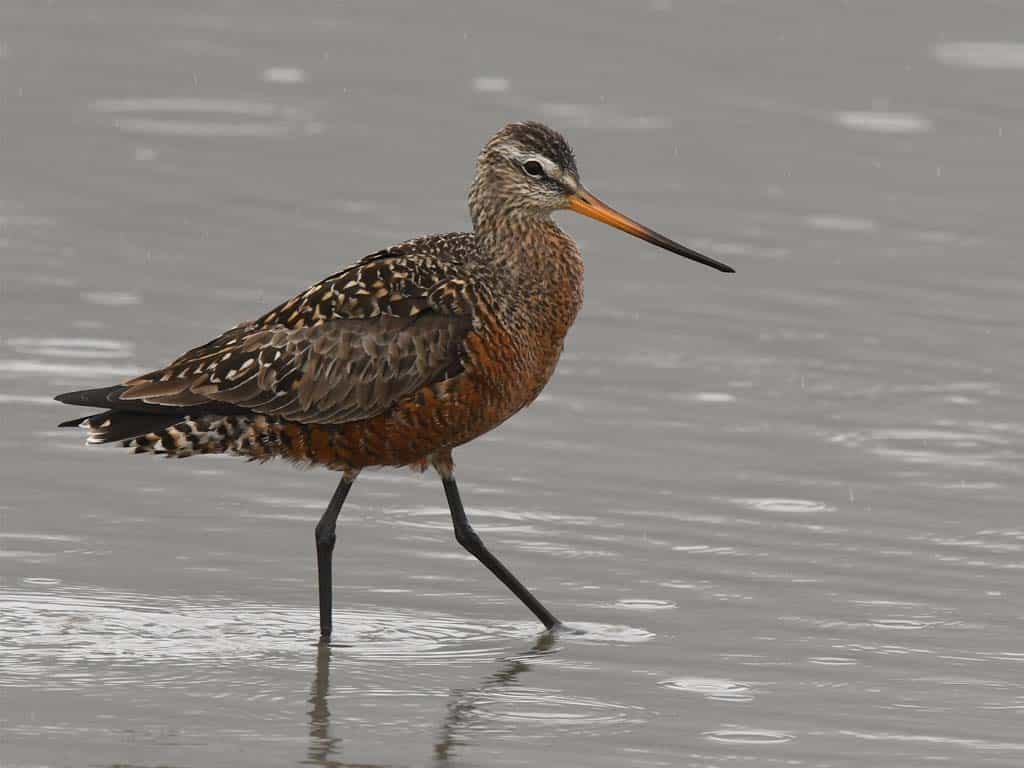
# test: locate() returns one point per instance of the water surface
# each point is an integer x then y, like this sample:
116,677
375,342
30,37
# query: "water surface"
781,508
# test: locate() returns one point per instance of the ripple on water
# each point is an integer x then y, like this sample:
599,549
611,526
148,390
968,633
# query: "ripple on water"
903,624
570,551
749,736
837,223
644,604
11,535
983,745
889,624
832,661
942,446
794,506
704,397
71,370
65,638
284,75
6,399
112,298
602,116
981,55
711,688
726,248
71,347
207,118
421,639
490,84
592,632
704,549
985,541
883,122
512,712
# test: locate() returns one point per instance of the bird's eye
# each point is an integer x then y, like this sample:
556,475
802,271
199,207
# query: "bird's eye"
533,168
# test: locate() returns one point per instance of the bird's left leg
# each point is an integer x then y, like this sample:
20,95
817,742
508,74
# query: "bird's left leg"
472,542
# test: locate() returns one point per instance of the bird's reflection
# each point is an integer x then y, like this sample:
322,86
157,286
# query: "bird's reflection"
322,746
463,702
325,749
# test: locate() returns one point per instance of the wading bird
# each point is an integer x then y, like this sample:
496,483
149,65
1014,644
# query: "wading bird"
395,361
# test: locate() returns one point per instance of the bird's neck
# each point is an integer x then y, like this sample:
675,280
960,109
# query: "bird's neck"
524,245
536,268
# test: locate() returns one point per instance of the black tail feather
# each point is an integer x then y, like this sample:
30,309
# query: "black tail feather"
124,419
114,426
110,397
104,397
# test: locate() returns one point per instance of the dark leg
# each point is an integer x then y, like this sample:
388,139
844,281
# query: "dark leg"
469,539
325,538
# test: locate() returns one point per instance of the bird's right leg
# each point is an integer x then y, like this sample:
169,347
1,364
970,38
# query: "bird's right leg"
326,537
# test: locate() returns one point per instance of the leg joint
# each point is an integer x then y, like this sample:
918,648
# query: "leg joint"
326,537
468,538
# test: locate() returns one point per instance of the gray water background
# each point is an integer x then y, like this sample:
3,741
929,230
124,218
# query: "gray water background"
783,506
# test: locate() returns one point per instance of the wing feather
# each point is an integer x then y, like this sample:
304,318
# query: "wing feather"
339,371
347,348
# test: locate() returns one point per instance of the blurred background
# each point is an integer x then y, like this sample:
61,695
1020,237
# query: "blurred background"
782,507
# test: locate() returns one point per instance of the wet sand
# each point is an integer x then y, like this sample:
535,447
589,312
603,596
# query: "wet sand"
782,508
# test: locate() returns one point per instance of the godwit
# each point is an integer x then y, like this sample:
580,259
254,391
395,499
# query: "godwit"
396,360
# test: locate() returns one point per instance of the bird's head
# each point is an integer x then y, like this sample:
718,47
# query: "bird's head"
528,170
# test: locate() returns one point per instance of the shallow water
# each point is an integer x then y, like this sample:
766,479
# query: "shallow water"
781,510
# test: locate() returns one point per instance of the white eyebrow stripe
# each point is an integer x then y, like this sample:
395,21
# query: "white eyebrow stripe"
551,169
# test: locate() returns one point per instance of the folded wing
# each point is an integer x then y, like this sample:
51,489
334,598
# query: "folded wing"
336,371
346,349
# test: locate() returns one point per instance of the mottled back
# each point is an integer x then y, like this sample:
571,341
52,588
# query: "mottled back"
347,348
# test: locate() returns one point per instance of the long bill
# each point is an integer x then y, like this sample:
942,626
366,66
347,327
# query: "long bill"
589,205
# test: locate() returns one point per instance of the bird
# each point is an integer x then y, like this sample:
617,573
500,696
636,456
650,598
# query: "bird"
394,361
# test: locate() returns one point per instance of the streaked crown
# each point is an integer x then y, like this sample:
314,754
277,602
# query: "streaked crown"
526,168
